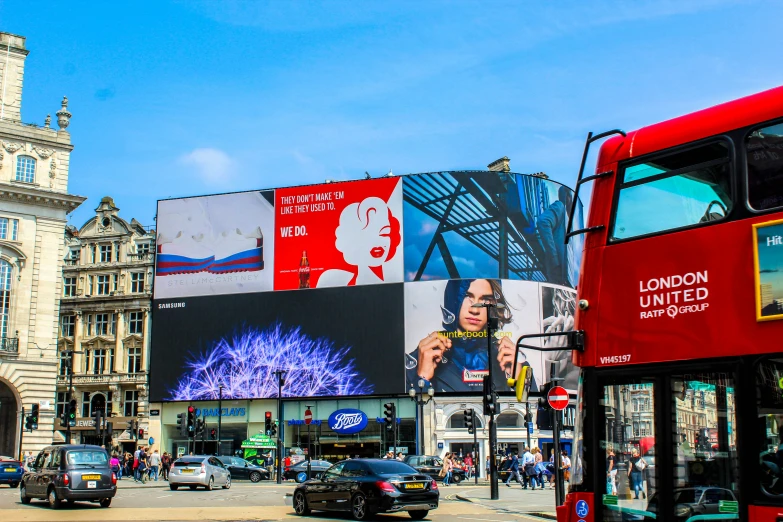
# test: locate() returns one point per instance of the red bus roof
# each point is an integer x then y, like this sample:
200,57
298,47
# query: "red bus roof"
697,125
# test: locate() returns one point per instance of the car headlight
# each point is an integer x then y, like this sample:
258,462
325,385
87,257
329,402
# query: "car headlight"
682,511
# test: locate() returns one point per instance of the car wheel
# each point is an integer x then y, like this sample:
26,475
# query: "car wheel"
419,514
300,504
456,479
105,502
173,487
359,508
192,488
51,497
255,477
210,484
14,485
23,495
228,483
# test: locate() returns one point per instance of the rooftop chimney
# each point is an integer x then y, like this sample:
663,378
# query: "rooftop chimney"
500,165
12,56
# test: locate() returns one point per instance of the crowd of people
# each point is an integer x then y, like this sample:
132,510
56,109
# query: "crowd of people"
531,470
142,465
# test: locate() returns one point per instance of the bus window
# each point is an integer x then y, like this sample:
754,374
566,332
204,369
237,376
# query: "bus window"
705,444
769,377
764,156
629,445
674,191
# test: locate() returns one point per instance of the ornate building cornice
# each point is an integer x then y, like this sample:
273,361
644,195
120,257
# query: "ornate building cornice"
18,193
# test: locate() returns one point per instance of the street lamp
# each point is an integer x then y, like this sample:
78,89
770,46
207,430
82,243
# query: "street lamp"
220,415
421,398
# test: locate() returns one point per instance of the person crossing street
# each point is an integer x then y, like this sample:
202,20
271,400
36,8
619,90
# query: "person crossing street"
514,470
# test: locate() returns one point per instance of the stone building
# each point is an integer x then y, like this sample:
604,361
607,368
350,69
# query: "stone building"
34,203
105,321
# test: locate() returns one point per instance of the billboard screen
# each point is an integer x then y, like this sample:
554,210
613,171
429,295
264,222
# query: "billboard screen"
252,282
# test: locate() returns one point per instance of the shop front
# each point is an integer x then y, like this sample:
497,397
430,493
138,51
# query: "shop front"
347,428
121,439
237,421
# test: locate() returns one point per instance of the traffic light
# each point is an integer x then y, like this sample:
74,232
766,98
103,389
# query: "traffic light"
273,431
182,424
96,417
522,383
141,433
135,429
71,413
31,422
268,423
213,434
528,419
191,421
199,427
390,414
470,421
490,398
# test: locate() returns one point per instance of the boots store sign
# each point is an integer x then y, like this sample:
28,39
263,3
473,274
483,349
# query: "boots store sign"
348,421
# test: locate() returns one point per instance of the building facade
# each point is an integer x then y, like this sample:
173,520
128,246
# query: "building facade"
34,203
105,323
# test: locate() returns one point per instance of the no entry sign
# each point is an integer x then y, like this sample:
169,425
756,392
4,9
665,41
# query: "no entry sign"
557,398
308,417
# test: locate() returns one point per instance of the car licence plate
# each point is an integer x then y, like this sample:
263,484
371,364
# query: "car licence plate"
10,470
187,471
415,485
91,477
92,484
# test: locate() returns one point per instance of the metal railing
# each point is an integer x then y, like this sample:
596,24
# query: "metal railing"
144,256
104,378
9,345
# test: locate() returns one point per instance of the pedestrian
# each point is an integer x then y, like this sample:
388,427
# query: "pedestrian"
528,466
513,470
400,456
154,461
136,464
539,466
567,467
551,469
487,466
115,466
445,470
611,472
637,466
28,461
143,466
165,462
469,465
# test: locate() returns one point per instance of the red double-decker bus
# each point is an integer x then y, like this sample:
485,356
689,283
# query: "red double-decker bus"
681,304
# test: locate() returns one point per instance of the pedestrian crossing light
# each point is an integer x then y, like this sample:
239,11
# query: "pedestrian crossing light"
213,434
470,421
191,421
522,383
268,423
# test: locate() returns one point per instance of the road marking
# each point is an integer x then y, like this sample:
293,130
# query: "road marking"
164,496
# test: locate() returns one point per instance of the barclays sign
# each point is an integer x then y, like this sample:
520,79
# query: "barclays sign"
347,422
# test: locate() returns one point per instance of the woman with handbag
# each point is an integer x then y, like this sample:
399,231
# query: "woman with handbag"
445,470
635,472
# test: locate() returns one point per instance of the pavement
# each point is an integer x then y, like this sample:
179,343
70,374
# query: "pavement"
514,499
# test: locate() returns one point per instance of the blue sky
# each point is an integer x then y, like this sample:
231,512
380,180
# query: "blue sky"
183,98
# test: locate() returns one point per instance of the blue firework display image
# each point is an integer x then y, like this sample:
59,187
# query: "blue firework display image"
245,364
333,342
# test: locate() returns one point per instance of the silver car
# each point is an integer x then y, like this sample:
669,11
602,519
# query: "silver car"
199,470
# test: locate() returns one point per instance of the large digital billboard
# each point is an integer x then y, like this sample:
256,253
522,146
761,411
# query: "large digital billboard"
360,288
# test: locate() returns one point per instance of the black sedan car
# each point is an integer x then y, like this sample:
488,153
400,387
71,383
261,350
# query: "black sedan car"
70,472
431,465
365,487
244,470
298,471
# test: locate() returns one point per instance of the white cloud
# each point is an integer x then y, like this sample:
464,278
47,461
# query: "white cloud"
213,165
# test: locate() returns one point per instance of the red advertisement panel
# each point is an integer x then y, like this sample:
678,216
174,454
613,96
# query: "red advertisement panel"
339,234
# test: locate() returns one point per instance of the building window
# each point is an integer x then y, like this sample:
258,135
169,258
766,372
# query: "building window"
131,403
93,250
137,282
508,420
105,253
134,360
5,297
87,359
103,285
67,325
135,322
143,248
88,324
65,364
101,324
25,169
98,403
69,288
62,402
114,282
9,229
99,365
111,360
113,325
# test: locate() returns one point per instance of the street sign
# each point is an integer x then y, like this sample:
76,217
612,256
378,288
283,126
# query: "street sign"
308,418
558,398
530,429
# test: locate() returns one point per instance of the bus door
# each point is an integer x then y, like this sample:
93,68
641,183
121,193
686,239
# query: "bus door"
668,441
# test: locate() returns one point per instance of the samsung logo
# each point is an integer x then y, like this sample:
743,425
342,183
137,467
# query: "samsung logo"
170,305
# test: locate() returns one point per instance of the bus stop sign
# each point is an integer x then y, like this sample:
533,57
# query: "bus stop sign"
557,398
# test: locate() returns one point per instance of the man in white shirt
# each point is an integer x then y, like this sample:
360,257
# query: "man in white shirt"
528,460
154,464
